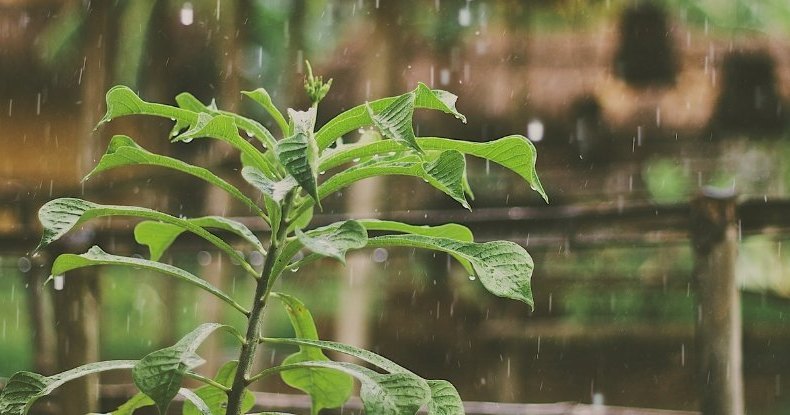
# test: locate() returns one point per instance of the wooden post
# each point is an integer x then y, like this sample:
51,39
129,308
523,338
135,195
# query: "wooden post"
41,313
714,236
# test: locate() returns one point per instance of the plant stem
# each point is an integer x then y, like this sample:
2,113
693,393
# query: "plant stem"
247,353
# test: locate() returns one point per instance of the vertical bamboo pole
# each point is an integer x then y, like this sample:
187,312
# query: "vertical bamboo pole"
714,235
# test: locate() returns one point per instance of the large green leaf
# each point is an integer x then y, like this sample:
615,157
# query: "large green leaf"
381,394
513,152
444,397
444,172
217,399
24,388
504,268
58,216
223,127
326,388
395,120
275,190
299,153
254,128
123,151
264,100
334,240
159,374
158,236
359,116
122,101
96,256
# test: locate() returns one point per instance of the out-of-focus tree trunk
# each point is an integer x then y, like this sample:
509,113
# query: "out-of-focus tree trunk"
363,198
77,306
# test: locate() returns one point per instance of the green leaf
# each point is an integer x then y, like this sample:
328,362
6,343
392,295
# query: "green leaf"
381,394
513,152
197,403
96,256
140,400
122,101
445,173
334,240
275,190
444,397
504,268
123,151
449,230
135,23
158,236
188,101
299,153
223,127
159,374
216,399
395,121
359,116
264,100
58,216
24,388
326,388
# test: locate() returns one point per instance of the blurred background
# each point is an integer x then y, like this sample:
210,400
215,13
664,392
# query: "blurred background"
632,105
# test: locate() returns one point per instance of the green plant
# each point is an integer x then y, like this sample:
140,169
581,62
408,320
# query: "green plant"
286,173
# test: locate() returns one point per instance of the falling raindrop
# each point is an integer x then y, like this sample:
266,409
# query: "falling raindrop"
256,258
465,16
58,282
187,14
535,130
24,264
204,258
380,255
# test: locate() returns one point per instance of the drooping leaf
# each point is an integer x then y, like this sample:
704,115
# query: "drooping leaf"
504,268
123,151
275,190
299,153
96,256
358,116
254,128
381,394
513,152
135,22
445,173
58,216
159,374
444,397
122,101
158,236
449,230
334,240
24,388
216,399
264,100
395,120
326,388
